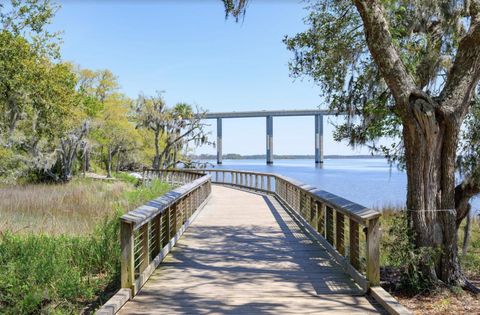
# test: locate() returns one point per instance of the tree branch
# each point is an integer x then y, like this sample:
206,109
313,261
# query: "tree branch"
465,72
384,52
468,188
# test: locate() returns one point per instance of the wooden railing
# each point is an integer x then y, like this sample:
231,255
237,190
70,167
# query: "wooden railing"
350,231
149,232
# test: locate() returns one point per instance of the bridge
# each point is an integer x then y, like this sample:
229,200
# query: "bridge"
269,114
248,243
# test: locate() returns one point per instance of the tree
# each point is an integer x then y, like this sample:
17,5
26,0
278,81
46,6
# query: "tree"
114,132
152,114
176,127
407,69
184,126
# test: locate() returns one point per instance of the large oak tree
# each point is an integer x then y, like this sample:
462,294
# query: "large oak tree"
408,70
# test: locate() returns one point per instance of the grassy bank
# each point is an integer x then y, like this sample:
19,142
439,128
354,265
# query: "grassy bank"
53,265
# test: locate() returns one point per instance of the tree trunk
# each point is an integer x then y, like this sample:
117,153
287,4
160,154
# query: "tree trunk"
430,150
109,163
156,159
466,233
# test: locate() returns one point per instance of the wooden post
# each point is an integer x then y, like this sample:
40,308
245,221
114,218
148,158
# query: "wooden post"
340,233
127,269
145,246
329,225
354,245
314,214
157,234
373,252
321,218
269,188
167,226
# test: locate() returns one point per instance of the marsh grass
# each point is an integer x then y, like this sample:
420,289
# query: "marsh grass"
72,208
63,256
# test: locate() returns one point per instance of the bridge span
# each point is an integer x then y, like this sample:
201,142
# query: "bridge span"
252,243
269,114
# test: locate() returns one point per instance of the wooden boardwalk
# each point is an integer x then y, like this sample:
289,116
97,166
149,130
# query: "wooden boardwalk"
244,254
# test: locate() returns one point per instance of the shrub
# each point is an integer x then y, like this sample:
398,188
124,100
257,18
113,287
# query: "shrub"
127,178
401,253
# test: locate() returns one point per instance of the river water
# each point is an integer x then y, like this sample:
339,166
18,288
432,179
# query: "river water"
370,182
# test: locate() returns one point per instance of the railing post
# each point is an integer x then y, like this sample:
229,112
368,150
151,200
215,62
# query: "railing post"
373,252
354,245
145,247
321,208
329,225
340,233
313,214
127,269
157,235
167,226
269,188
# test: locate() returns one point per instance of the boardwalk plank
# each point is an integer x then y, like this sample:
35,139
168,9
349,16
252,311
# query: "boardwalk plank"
244,254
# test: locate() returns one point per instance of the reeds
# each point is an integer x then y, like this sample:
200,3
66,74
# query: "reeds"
71,208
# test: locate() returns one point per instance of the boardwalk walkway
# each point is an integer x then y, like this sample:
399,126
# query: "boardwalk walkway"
244,254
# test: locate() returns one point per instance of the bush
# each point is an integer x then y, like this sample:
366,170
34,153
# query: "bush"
127,178
143,193
401,253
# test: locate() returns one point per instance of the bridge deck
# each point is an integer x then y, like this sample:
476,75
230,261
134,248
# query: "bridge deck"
244,254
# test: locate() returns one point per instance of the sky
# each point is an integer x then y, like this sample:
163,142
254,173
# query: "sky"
189,50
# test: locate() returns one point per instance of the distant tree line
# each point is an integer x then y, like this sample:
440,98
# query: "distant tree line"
58,119
236,156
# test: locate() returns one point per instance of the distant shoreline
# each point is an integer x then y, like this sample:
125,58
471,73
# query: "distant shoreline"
234,156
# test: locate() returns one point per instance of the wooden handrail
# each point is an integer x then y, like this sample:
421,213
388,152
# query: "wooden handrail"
149,232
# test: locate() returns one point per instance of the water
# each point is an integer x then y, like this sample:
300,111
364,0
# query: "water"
370,182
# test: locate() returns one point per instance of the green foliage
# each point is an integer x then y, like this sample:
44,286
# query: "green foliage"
471,261
333,53
41,268
148,192
126,178
401,253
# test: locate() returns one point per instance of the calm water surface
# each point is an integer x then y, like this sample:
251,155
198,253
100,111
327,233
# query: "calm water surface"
370,182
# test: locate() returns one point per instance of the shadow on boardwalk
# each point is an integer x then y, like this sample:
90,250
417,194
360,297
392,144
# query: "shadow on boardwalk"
246,255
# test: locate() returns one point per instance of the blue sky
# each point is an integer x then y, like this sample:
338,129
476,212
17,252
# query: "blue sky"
188,49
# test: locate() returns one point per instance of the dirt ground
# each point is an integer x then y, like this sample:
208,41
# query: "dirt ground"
440,302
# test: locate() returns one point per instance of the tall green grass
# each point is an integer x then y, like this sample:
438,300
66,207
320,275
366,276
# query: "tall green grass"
65,274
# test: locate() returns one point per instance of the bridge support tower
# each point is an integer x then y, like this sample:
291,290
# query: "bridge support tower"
318,139
219,140
269,140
